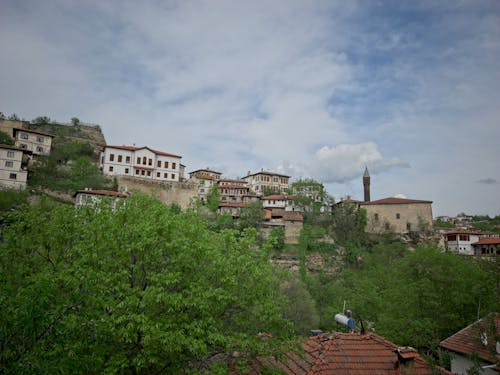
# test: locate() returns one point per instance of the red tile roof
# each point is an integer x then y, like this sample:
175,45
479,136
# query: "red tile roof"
102,192
351,353
133,148
267,173
287,215
393,200
31,131
278,197
468,341
488,241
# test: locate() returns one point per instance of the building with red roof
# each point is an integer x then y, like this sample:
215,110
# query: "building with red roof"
398,215
39,143
487,246
476,344
348,354
142,162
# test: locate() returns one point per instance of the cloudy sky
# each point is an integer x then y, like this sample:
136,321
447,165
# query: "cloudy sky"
316,89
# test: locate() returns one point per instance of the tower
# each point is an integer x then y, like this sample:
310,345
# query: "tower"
366,184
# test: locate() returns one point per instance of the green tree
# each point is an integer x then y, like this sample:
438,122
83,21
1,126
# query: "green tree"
349,223
41,120
75,121
309,195
251,216
139,290
213,198
5,139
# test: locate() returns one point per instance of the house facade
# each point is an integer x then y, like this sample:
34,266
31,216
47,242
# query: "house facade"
276,201
468,242
39,143
233,191
398,215
263,181
487,246
205,179
13,171
141,162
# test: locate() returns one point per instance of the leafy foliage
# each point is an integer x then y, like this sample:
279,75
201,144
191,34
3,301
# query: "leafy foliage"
213,198
349,223
143,289
12,199
6,139
251,216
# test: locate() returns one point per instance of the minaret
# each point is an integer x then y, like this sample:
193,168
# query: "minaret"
366,184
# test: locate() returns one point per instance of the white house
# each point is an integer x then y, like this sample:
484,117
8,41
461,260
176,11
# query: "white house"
88,197
264,181
461,241
205,178
39,143
142,162
13,173
284,202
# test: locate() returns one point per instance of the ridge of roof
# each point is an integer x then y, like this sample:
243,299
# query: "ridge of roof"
394,200
134,148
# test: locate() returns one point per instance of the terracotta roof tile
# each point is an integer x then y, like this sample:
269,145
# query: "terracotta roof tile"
488,241
393,200
133,148
278,197
468,340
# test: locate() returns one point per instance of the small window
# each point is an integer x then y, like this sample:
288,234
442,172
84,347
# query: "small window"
398,216
150,161
23,146
166,164
165,175
10,154
138,160
173,165
158,174
39,149
173,176
376,217
149,173
39,139
24,136
136,171
408,226
13,176
9,163
127,159
158,164
143,172
126,170
144,160
111,157
120,158
111,168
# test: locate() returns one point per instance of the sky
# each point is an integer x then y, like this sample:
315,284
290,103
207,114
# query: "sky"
311,89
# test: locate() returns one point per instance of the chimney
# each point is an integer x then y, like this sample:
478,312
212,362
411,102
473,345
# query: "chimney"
405,361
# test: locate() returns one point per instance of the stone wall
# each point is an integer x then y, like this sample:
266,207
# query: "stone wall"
181,193
413,217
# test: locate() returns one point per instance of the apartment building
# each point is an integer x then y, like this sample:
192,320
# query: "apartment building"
142,162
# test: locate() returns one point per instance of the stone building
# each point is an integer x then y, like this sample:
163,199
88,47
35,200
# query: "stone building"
39,143
13,168
264,181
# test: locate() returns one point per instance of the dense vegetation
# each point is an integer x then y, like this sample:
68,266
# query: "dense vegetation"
143,289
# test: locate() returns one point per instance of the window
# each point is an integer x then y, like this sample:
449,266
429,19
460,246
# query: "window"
9,164
111,168
120,158
23,145
143,172
102,159
149,173
136,171
158,174
173,165
10,154
144,160
126,170
138,160
452,237
158,164
376,217
165,175
39,139
166,164
150,161
24,136
127,159
464,237
39,149
408,226
111,157
173,176
398,216
13,176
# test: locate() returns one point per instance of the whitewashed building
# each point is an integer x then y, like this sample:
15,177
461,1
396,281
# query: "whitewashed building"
462,241
39,143
264,181
89,197
142,162
13,172
284,202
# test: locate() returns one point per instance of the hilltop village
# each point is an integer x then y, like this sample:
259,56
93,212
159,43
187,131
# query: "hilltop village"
116,274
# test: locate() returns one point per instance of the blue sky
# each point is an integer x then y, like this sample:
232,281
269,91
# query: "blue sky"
309,88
